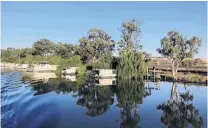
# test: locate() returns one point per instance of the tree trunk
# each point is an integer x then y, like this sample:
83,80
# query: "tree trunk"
173,70
176,70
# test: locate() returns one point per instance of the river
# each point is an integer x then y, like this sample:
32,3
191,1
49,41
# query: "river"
78,103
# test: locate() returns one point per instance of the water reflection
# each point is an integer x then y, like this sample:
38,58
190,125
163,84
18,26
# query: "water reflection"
179,111
129,95
38,76
69,77
96,99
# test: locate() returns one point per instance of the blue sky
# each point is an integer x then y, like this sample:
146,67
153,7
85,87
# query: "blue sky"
23,23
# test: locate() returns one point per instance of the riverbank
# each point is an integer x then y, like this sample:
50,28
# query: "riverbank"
186,78
199,70
160,74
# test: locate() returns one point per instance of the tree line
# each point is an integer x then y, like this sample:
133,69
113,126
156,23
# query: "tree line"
96,51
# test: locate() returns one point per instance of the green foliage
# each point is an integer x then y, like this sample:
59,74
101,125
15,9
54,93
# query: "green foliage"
105,62
42,47
188,63
176,48
131,61
131,64
28,59
130,36
95,45
81,71
75,61
55,60
64,50
8,56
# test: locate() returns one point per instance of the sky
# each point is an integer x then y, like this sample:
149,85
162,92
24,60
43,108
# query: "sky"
23,23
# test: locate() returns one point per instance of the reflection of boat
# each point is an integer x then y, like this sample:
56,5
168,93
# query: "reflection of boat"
104,73
69,77
21,66
41,67
69,71
41,76
109,81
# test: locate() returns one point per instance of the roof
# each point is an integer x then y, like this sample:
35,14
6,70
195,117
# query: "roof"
104,69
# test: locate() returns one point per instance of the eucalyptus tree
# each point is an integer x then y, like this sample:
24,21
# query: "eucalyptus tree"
43,47
64,50
131,61
95,45
176,48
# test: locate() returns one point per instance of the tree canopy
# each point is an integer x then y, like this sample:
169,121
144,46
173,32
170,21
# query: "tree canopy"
43,47
176,48
95,45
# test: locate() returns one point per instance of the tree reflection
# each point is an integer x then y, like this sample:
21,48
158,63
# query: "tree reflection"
96,99
56,85
129,95
179,111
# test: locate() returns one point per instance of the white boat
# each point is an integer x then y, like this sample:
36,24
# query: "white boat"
104,73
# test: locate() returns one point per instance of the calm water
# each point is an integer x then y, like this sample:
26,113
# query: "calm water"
79,103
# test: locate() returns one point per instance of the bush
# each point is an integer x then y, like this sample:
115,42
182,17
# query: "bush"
81,71
104,62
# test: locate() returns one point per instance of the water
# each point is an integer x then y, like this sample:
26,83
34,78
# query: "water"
59,103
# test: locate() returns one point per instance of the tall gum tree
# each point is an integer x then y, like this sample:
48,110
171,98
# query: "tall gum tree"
176,48
131,59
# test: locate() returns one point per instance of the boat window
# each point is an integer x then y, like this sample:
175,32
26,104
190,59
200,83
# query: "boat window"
114,82
114,72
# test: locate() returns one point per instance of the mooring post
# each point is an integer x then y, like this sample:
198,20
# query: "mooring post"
154,74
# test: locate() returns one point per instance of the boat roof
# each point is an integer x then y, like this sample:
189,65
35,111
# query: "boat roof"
105,69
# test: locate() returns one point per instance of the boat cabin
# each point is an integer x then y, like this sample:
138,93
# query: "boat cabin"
104,73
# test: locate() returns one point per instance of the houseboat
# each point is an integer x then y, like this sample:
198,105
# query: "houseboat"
104,73
69,71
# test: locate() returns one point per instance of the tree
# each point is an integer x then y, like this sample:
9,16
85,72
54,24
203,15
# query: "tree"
131,61
95,45
176,48
187,62
64,50
147,57
43,47
130,36
22,53
198,62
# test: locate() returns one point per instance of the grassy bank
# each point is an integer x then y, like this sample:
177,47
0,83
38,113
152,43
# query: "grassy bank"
187,78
